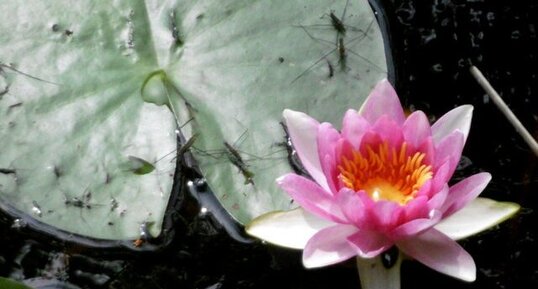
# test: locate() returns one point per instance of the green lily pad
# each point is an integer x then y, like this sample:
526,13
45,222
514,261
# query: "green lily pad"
240,74
73,119
91,96
12,284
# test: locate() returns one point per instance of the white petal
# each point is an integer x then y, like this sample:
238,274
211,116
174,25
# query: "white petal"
457,119
476,217
291,229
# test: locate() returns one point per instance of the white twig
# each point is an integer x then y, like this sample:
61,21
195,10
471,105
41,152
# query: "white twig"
504,109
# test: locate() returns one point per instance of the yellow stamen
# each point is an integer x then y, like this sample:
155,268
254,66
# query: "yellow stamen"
392,174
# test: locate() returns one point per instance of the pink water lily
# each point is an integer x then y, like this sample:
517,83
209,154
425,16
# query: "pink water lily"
382,181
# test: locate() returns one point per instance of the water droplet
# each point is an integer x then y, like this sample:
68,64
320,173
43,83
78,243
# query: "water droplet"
199,185
113,204
144,230
390,257
36,209
18,224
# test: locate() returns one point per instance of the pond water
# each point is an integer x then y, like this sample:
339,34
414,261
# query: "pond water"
435,42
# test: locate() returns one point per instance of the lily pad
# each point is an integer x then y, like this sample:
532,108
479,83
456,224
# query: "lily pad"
73,119
242,72
93,93
12,284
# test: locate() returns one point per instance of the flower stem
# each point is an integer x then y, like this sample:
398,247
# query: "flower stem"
374,274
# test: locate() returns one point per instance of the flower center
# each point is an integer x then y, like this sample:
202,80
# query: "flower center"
385,174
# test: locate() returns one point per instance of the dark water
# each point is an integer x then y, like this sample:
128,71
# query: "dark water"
434,43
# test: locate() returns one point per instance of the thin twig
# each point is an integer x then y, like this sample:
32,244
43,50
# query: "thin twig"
504,109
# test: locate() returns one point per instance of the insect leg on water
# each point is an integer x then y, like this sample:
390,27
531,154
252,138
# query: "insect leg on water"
331,69
181,151
10,67
82,202
247,162
342,50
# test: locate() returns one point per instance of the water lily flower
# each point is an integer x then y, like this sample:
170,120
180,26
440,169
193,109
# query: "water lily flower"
382,181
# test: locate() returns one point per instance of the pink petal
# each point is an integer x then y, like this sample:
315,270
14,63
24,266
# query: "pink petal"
416,129
327,140
416,226
457,119
380,215
352,206
329,246
369,243
330,169
343,148
428,149
464,192
369,139
383,100
438,199
303,132
439,252
389,131
416,209
353,128
425,190
441,176
311,197
449,149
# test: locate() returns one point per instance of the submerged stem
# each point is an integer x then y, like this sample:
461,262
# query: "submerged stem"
374,274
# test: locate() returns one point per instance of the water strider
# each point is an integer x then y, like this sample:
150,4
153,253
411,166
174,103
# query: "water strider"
241,159
236,159
337,24
83,202
339,44
183,149
140,166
